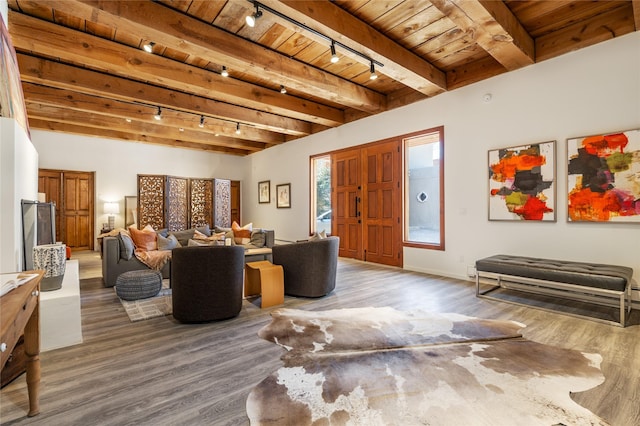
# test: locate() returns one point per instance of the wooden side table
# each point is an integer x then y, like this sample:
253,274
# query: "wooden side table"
20,313
267,279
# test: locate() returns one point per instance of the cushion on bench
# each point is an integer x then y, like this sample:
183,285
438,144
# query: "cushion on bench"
609,277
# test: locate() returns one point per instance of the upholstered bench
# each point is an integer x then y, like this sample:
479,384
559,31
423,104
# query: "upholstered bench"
141,284
591,282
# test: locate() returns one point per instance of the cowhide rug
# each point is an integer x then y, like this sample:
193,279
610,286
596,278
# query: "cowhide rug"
379,366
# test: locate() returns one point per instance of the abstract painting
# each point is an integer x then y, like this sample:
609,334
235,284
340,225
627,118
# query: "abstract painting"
603,178
522,183
11,97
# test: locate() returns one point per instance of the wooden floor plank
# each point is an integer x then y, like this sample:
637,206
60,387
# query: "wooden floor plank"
161,372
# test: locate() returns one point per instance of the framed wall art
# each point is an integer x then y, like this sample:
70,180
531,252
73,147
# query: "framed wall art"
264,192
603,178
283,196
12,103
522,183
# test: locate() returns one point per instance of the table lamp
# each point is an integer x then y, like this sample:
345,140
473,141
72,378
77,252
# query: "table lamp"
112,209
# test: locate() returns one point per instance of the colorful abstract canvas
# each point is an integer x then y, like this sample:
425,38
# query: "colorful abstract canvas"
522,183
603,180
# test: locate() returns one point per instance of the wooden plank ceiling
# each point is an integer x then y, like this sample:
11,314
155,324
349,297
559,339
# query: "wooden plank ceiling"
84,70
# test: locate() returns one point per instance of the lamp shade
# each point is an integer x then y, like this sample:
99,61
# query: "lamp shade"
111,208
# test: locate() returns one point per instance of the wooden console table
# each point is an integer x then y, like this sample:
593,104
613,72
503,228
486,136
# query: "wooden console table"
20,313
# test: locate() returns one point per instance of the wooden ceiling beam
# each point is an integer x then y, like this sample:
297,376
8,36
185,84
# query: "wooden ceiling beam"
399,63
599,28
167,27
64,98
53,126
494,28
46,38
42,71
636,13
159,129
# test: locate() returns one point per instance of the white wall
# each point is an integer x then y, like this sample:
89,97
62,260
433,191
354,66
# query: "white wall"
116,164
589,91
593,90
19,168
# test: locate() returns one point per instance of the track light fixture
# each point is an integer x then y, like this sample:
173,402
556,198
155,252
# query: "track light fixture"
237,128
373,75
334,57
148,47
158,114
224,72
251,19
283,89
201,125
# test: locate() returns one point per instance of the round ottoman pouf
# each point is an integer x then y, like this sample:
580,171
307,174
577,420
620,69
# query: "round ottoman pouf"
134,285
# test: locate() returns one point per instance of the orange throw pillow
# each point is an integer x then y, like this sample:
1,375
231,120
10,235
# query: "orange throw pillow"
241,235
144,240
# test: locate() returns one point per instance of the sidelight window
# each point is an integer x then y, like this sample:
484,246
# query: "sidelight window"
424,195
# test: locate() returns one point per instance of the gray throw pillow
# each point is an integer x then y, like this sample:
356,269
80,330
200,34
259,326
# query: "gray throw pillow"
164,232
183,236
258,238
204,229
126,246
168,243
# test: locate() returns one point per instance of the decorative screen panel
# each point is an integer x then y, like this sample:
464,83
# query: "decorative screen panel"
151,201
222,203
177,217
201,202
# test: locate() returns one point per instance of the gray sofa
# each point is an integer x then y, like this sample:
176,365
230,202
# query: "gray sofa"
309,266
114,264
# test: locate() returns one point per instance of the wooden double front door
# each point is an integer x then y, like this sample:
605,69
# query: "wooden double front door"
73,194
366,199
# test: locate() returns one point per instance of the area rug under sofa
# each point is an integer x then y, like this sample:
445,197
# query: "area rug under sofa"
380,366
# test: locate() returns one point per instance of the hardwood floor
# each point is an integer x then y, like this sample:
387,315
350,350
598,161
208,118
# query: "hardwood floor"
161,372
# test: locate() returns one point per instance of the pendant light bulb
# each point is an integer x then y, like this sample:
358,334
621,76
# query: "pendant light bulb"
201,125
238,129
224,72
283,89
158,114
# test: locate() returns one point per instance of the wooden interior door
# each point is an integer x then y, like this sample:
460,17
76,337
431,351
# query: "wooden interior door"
381,203
235,201
77,210
50,184
345,201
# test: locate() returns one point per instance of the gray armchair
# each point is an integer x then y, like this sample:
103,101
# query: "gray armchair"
206,283
309,267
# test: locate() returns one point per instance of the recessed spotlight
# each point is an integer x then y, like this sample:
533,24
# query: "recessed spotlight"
181,129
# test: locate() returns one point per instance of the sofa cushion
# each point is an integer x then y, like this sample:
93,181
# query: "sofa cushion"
258,238
144,240
204,229
216,236
183,236
242,234
126,245
168,243
194,243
